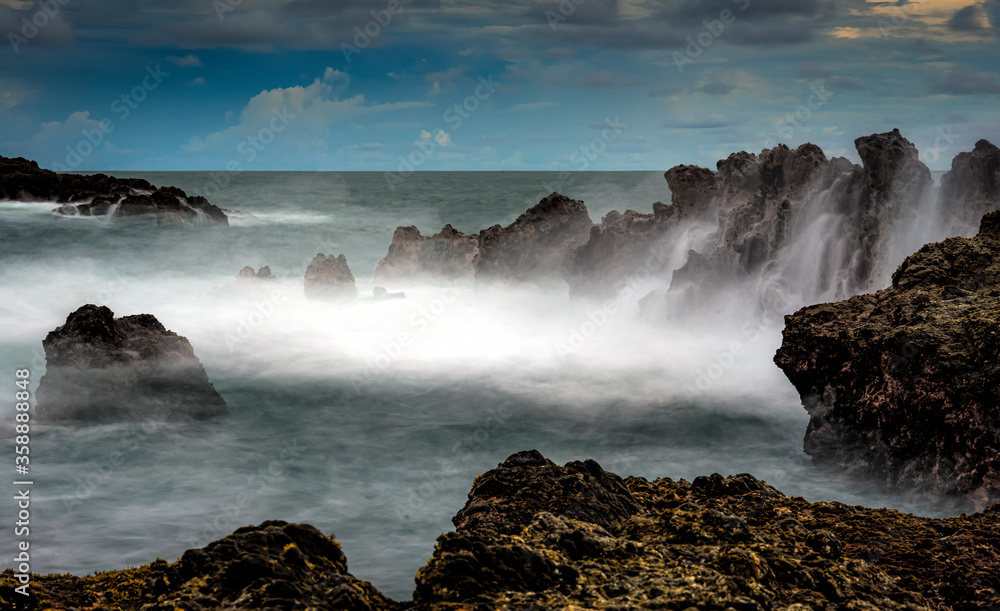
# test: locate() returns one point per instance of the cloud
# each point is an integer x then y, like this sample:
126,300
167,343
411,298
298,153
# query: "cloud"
716,88
962,80
441,137
968,19
529,106
188,61
66,142
199,81
713,121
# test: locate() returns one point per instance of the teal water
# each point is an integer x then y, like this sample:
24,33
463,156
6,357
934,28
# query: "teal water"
321,432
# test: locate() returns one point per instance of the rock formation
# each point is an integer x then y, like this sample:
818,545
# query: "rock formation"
534,535
971,188
380,293
247,274
532,247
101,195
105,369
903,383
447,254
329,277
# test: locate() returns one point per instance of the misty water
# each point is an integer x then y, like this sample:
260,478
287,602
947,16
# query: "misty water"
381,442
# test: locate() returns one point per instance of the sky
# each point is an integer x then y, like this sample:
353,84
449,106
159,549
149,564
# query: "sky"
431,85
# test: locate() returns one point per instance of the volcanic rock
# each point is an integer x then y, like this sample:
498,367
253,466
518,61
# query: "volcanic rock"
248,274
329,277
447,254
102,195
531,248
903,383
971,188
105,369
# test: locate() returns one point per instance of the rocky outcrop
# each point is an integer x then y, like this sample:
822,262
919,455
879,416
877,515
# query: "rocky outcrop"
903,383
534,535
532,247
447,254
971,188
247,274
105,369
102,195
329,278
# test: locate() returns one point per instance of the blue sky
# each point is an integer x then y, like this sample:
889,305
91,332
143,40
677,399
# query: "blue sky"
471,85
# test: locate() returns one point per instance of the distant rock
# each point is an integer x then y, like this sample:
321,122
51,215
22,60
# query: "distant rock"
902,384
329,277
447,254
248,274
971,188
105,369
532,247
102,195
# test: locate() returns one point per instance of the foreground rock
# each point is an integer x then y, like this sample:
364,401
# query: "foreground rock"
329,278
105,369
534,535
903,383
531,248
447,254
101,195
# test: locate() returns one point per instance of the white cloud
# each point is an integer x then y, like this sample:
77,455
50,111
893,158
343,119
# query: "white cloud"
76,142
443,138
530,106
188,61
198,81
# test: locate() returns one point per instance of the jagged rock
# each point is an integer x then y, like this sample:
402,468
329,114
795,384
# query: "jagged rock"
531,248
971,188
692,188
329,277
102,195
248,274
275,565
903,383
447,254
506,499
105,369
380,293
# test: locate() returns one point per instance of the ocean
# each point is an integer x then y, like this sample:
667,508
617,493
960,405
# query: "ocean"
333,421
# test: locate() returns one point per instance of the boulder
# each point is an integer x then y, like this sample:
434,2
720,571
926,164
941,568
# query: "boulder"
105,369
102,195
902,383
531,248
248,274
447,254
329,278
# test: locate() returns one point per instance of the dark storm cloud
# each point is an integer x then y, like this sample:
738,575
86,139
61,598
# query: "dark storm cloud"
967,19
717,88
963,80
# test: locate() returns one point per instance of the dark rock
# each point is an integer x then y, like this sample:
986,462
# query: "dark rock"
507,498
903,383
248,274
532,247
105,369
447,254
329,277
102,195
971,188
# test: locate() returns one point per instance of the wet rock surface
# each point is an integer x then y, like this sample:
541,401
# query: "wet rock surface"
447,254
902,383
972,186
534,535
102,195
105,369
330,278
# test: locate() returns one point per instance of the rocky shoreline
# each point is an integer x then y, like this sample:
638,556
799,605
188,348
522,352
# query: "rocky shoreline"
536,535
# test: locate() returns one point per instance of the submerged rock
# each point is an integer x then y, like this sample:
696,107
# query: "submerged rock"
102,195
535,535
329,277
532,247
105,369
447,254
903,383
